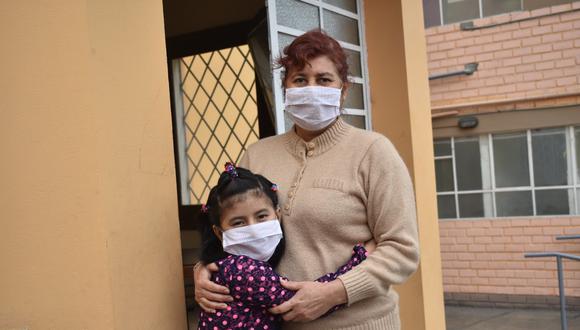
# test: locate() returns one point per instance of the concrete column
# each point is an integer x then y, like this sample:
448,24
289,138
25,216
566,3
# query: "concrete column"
397,62
89,234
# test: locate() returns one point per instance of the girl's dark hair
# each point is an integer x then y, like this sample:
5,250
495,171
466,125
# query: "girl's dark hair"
228,191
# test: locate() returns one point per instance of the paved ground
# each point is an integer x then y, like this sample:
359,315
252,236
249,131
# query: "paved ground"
471,318
475,318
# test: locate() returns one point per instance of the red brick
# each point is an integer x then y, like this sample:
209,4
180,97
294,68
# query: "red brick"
533,231
546,84
545,65
512,61
511,44
503,54
456,52
476,248
552,56
437,56
492,47
453,36
552,37
570,16
531,41
562,27
484,57
469,93
566,81
530,23
541,239
446,45
522,33
565,63
435,39
564,45
549,20
555,73
479,280
501,239
464,42
446,28
502,36
573,34
483,40
505,70
525,68
504,89
474,50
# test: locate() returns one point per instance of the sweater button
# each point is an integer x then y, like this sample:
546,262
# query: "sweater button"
310,153
287,207
310,145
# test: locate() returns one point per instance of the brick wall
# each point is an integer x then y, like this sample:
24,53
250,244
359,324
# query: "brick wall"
487,256
527,64
534,63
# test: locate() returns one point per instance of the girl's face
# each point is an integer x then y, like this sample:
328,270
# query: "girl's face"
249,210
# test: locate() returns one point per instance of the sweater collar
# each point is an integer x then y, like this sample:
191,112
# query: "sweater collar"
320,144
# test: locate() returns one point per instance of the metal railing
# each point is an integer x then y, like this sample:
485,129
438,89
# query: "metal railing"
559,256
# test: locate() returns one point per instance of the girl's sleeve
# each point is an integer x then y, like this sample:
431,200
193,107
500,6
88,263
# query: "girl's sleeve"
255,282
391,216
359,253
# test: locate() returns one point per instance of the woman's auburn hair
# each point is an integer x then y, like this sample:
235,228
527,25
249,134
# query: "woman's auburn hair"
313,44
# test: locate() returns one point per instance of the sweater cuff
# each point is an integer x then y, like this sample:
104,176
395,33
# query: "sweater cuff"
358,285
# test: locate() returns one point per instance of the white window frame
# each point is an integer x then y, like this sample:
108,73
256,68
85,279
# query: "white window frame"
274,29
488,176
480,11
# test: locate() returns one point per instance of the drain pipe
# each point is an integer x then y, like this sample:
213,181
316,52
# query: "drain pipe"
468,70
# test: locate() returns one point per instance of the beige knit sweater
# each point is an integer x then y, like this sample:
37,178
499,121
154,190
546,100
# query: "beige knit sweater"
344,187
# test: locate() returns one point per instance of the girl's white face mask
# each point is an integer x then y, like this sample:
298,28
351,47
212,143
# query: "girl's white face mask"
313,107
257,241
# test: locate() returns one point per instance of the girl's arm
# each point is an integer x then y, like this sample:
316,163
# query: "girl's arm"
255,282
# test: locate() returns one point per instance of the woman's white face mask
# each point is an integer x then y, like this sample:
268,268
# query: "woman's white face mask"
313,107
258,241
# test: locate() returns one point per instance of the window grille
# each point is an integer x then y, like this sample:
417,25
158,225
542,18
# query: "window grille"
216,116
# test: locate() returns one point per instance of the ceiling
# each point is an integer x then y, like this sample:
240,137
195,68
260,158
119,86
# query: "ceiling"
187,16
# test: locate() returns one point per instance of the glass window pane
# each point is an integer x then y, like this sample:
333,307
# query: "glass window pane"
284,40
356,121
444,174
471,205
446,207
442,147
535,4
468,164
550,202
495,7
577,138
296,14
459,10
349,5
514,203
510,152
341,27
354,97
550,157
431,13
354,63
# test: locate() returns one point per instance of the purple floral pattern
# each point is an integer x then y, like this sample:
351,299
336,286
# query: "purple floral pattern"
256,287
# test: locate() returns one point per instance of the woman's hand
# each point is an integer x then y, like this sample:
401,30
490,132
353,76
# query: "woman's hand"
311,300
209,296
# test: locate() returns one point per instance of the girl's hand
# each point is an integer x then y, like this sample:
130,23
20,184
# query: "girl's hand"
370,246
209,296
311,300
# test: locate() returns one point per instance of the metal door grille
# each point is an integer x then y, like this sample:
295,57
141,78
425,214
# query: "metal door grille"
217,116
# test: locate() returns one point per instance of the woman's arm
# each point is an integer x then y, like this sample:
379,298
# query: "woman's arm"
391,217
209,295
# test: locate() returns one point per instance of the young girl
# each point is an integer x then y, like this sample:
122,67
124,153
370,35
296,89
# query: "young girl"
242,234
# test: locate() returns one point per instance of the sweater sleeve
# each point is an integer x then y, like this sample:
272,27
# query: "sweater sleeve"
391,217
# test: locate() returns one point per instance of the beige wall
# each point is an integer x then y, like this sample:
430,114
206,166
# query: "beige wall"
89,235
400,109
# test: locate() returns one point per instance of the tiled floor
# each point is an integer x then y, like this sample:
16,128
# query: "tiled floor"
473,318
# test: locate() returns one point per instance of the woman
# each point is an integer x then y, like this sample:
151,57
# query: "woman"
339,185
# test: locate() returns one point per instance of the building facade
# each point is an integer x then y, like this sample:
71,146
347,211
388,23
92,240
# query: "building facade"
505,97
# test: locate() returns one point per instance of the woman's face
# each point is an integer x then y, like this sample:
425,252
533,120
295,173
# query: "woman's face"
319,71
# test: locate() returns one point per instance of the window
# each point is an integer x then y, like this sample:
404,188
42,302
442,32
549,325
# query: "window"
342,20
438,12
525,173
